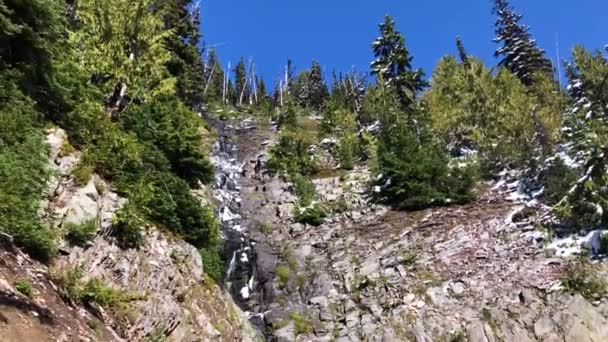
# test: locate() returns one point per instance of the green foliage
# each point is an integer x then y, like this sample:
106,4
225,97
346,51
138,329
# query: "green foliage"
519,51
302,323
557,179
125,54
80,234
95,291
580,278
393,64
186,63
23,170
494,114
92,291
282,273
212,262
82,173
304,189
309,88
127,227
586,203
24,287
174,130
342,124
265,228
415,174
291,155
313,214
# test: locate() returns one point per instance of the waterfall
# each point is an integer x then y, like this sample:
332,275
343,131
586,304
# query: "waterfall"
239,255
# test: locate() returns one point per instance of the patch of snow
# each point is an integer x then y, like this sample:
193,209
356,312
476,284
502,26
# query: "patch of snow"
573,244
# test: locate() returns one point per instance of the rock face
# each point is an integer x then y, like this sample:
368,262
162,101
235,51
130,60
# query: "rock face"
473,272
170,296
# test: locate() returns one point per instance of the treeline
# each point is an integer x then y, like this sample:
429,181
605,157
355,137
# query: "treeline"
122,78
428,143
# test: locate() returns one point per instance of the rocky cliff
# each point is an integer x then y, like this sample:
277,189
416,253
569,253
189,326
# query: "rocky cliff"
476,272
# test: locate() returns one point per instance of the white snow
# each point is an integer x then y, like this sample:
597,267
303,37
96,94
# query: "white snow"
573,244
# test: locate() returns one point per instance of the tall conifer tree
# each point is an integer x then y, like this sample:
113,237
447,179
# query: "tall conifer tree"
519,51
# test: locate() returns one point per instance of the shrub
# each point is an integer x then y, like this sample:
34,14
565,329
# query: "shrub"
127,227
82,173
304,189
282,273
265,228
494,112
175,130
212,263
80,234
314,215
557,179
23,171
95,291
24,287
302,324
290,155
417,175
581,279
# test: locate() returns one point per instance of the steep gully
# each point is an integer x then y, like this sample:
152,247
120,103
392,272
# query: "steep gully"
242,278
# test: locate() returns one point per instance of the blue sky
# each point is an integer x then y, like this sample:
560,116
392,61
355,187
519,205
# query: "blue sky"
338,33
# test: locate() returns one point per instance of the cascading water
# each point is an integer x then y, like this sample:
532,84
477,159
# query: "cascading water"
240,277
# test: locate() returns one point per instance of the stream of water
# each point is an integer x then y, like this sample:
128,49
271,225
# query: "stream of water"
240,275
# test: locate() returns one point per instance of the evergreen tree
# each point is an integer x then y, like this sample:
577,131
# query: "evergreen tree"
261,86
586,203
186,63
214,77
240,77
462,53
126,55
413,171
318,90
520,53
393,64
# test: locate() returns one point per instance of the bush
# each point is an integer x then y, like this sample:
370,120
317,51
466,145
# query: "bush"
282,273
95,291
493,112
24,287
416,175
212,263
80,234
582,280
557,179
175,130
304,189
302,324
291,155
127,227
314,215
23,172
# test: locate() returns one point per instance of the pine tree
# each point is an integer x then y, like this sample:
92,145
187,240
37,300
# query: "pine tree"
318,90
520,53
186,62
214,78
586,203
393,64
126,55
240,77
462,53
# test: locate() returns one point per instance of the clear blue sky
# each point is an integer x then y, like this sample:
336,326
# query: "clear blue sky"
338,33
